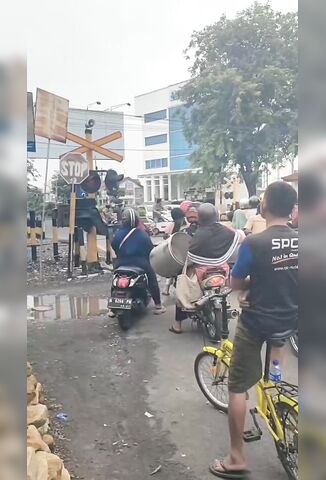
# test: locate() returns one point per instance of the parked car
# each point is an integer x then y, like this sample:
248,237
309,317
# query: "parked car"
160,227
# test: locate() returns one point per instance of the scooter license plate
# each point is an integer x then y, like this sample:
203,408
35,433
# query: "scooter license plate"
120,303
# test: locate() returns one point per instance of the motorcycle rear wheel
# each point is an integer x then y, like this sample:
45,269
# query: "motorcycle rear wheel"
125,320
213,325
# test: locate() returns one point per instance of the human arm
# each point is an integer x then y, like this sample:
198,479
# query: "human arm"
248,226
146,244
242,269
116,241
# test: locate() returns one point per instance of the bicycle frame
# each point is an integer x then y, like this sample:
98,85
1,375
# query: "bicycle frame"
265,401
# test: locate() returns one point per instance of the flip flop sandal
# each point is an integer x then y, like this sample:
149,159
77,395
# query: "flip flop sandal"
229,474
173,330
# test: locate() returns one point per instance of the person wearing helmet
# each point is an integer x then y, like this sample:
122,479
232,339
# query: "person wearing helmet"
132,246
185,205
213,245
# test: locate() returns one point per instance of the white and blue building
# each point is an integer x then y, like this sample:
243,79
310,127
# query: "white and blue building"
165,150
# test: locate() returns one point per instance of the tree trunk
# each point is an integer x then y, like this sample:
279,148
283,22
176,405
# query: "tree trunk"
250,179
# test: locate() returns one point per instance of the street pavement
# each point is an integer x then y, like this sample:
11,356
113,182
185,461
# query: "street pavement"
107,380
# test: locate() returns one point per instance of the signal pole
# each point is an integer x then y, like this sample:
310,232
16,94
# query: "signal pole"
92,256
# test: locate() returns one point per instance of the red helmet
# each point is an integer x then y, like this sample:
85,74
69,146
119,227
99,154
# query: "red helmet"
185,205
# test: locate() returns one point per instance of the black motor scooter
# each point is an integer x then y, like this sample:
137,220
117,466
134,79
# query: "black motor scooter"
129,294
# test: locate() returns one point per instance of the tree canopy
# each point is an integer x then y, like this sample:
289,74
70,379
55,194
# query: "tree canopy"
241,99
60,188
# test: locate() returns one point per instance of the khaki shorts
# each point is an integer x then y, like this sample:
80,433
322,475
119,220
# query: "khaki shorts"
246,365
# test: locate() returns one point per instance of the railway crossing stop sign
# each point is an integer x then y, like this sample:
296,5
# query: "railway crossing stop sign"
74,168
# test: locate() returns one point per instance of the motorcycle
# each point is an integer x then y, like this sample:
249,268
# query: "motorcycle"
213,306
129,294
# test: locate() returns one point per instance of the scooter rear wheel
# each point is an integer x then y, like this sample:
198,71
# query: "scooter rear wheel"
125,320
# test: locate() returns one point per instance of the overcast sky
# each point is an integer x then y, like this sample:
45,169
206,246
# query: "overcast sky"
112,51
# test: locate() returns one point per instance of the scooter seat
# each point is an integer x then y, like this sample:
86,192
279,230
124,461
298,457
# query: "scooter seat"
131,269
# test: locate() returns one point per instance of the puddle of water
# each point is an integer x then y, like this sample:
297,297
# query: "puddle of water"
64,307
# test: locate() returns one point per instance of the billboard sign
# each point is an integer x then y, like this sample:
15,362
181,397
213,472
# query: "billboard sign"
51,116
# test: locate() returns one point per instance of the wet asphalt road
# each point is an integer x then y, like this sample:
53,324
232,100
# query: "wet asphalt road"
106,381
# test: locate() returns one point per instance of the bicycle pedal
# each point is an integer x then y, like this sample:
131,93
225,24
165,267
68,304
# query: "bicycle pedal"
252,435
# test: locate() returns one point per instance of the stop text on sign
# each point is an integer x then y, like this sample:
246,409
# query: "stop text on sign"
74,168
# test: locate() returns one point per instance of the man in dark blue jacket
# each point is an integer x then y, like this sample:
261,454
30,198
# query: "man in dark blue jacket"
132,246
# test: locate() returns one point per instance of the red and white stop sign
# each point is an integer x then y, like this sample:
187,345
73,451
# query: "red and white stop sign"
74,168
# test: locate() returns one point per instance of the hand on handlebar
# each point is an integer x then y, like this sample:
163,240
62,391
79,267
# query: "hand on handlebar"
243,299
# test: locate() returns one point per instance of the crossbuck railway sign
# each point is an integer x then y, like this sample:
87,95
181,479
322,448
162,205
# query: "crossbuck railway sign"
96,145
74,168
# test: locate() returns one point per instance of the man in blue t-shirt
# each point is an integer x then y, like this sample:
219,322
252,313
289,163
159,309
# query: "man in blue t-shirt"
266,272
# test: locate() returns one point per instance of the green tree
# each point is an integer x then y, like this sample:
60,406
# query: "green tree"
241,99
32,173
60,188
34,199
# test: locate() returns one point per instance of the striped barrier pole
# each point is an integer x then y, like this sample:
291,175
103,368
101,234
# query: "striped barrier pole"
77,248
32,223
83,251
55,236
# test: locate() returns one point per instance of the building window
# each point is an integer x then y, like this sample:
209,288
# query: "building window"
149,190
153,116
156,139
156,163
157,187
182,162
166,187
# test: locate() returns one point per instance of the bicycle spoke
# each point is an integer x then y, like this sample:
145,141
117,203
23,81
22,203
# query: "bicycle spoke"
214,378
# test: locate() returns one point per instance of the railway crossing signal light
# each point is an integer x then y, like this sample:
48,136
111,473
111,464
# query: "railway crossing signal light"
112,180
228,195
92,183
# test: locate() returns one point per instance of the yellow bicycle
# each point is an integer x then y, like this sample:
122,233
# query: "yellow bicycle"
277,402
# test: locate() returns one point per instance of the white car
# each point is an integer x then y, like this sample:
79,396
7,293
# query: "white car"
160,227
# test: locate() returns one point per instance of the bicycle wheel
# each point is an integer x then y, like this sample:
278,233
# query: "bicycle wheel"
288,450
212,377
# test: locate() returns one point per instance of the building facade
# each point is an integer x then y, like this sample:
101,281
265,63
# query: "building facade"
133,191
165,151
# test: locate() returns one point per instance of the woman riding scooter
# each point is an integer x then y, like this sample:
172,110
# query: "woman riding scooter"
132,246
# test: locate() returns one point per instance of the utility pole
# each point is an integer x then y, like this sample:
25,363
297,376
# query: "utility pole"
92,256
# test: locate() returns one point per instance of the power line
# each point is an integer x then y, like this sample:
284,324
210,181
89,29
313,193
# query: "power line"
127,149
